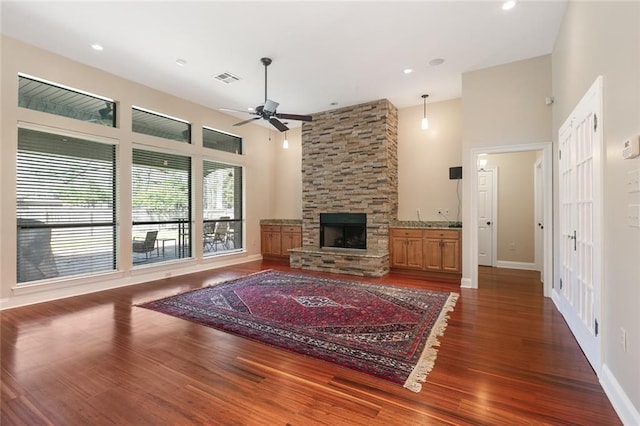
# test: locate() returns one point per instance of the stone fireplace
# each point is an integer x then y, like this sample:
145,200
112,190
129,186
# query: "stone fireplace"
349,164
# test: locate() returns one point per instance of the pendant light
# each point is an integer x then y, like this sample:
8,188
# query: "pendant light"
425,120
285,144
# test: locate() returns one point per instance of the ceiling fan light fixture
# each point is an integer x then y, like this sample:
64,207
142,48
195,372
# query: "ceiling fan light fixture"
285,143
425,120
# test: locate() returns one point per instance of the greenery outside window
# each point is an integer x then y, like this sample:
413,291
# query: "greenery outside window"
222,208
66,206
161,198
41,95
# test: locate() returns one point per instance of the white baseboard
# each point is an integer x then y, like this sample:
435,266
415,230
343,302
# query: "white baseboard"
516,265
465,283
629,415
30,295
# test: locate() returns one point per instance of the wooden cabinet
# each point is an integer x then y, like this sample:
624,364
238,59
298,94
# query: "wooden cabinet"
270,240
406,248
442,250
432,250
276,240
291,238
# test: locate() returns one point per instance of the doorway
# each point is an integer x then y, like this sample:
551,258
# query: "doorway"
471,246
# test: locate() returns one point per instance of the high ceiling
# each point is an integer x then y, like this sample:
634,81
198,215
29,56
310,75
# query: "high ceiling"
325,54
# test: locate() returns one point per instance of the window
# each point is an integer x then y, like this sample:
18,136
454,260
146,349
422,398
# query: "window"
221,141
222,204
161,197
65,206
47,97
156,124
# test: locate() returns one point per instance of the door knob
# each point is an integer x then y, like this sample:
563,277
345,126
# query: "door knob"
488,223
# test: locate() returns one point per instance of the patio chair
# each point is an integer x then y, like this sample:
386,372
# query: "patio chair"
147,245
221,233
208,239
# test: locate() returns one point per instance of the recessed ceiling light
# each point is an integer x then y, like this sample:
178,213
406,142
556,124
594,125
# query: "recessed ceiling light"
407,70
436,61
509,4
96,46
181,62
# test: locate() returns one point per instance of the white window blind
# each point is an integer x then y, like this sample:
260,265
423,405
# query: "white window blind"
222,207
66,196
161,198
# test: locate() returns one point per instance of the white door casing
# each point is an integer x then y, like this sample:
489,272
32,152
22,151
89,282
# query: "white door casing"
580,240
539,217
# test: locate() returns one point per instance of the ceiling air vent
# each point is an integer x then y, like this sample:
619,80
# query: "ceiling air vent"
226,77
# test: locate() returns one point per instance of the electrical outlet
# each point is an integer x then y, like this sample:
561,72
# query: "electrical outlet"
512,246
623,339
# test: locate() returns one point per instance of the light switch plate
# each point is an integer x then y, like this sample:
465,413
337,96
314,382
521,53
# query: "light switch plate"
631,147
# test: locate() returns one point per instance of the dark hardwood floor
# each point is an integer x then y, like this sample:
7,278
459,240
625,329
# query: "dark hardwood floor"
507,357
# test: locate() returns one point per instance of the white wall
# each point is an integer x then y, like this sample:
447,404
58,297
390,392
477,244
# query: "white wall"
603,38
258,162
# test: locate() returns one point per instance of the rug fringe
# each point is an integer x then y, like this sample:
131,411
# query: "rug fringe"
430,353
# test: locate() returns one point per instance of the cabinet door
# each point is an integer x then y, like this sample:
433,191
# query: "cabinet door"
291,238
398,252
451,255
414,253
270,240
432,254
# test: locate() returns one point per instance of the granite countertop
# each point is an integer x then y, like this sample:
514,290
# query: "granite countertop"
393,224
425,224
289,222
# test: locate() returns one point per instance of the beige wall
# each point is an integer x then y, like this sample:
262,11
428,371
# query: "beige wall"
258,162
287,199
603,38
424,158
502,106
515,216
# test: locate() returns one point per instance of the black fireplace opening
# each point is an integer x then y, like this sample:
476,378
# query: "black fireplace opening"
344,230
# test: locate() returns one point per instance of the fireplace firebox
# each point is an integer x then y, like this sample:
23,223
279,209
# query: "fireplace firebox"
343,230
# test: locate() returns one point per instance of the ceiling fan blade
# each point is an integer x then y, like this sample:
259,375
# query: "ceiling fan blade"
278,124
236,110
247,121
294,116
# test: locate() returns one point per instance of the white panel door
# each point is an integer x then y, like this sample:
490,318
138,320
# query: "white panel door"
580,141
485,218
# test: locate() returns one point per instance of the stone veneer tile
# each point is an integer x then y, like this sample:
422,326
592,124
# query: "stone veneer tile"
350,164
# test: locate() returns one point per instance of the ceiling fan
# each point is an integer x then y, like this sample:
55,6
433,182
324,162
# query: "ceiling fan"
267,111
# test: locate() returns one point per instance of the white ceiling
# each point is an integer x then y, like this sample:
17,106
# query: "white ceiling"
346,52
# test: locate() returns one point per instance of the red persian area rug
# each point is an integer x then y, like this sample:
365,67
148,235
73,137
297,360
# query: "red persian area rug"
385,331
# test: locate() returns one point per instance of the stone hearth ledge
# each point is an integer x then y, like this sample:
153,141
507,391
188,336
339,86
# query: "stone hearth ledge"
365,263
